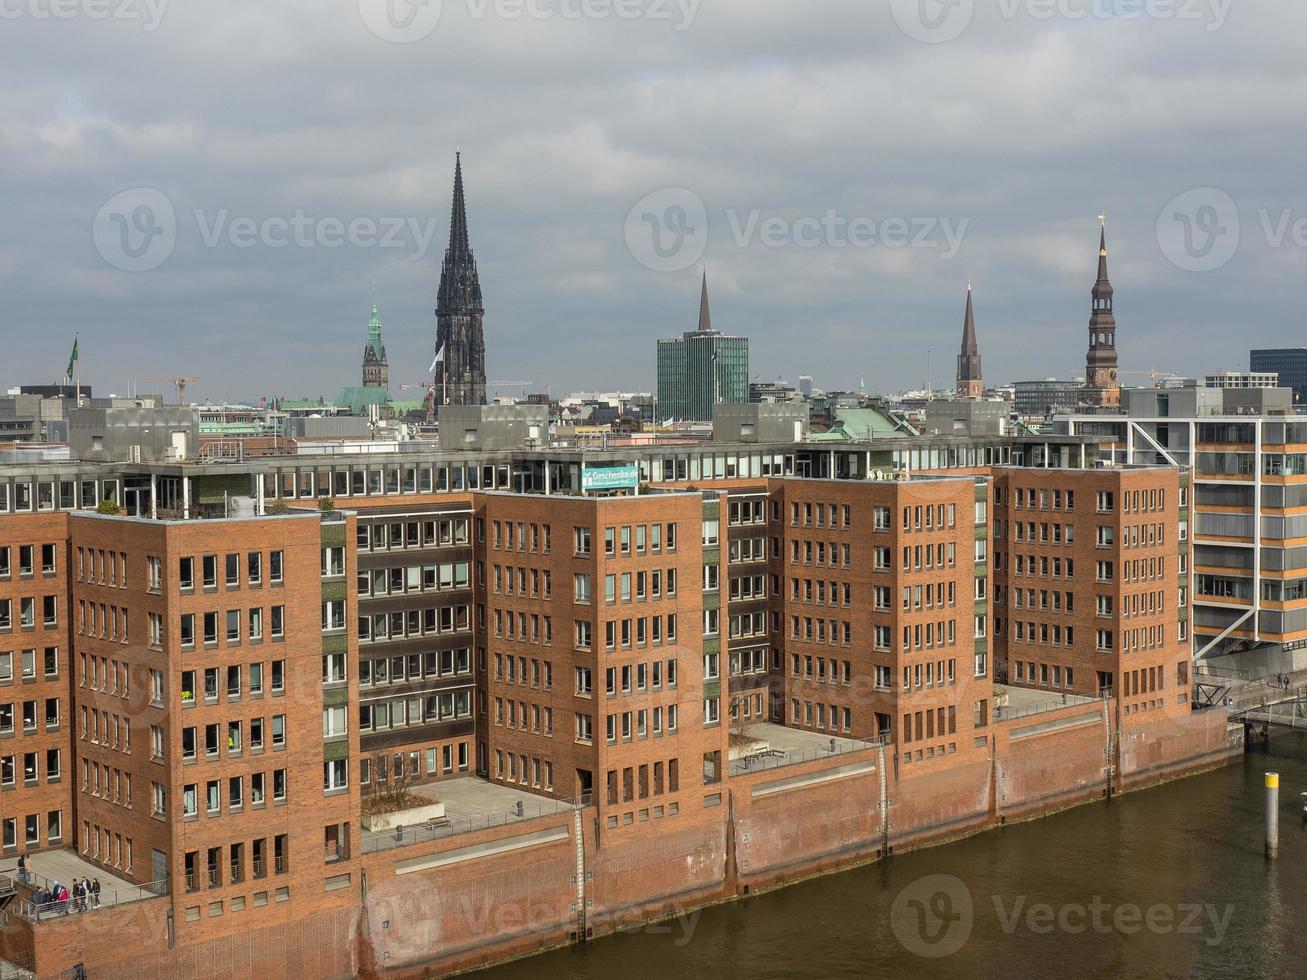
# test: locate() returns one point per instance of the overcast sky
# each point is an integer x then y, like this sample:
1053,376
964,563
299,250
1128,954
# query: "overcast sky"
840,167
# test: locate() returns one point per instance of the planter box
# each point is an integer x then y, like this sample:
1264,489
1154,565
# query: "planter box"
750,747
403,818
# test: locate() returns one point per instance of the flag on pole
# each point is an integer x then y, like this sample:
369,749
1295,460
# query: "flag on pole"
440,356
72,361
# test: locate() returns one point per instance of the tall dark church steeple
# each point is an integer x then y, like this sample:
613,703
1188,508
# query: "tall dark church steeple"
460,338
970,381
1102,387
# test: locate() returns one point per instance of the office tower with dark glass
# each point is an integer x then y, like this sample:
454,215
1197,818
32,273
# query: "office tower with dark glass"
1289,363
700,369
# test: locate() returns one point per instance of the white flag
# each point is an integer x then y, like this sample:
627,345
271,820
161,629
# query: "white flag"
440,356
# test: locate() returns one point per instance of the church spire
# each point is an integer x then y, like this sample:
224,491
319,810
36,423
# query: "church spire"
1102,387
460,336
459,285
970,383
376,370
705,318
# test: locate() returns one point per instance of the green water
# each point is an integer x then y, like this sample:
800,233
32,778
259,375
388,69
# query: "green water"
1171,882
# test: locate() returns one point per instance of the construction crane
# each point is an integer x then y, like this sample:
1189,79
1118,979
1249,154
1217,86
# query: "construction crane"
179,382
1156,376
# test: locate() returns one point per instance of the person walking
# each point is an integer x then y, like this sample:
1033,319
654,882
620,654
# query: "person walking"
22,868
95,892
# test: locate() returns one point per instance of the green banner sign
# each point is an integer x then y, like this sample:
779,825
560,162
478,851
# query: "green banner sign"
610,478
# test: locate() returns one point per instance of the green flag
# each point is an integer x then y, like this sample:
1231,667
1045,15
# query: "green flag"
72,361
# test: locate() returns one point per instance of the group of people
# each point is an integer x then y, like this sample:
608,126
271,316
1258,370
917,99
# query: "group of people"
58,899
1283,682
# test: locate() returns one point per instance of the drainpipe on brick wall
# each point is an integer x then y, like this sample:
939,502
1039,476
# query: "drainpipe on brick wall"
732,863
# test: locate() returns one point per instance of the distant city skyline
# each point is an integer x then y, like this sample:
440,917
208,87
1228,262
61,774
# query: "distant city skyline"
1010,182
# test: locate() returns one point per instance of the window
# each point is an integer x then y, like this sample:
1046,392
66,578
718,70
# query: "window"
278,730
233,570
333,723
581,584
710,532
335,774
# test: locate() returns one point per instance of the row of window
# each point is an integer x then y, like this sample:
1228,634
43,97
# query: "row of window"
1043,499
638,678
630,585
214,799
410,766
216,735
525,627
930,723
27,557
414,579
27,612
231,566
240,680
822,515
379,716
521,536
109,783
30,762
211,876
643,781
524,770
637,632
426,532
69,494
1044,675
523,716
819,715
31,664
814,669
410,623
534,583
233,627
106,847
404,669
54,828
31,718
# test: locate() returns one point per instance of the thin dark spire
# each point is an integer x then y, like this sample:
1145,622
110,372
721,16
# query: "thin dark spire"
969,345
460,289
1102,251
705,318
